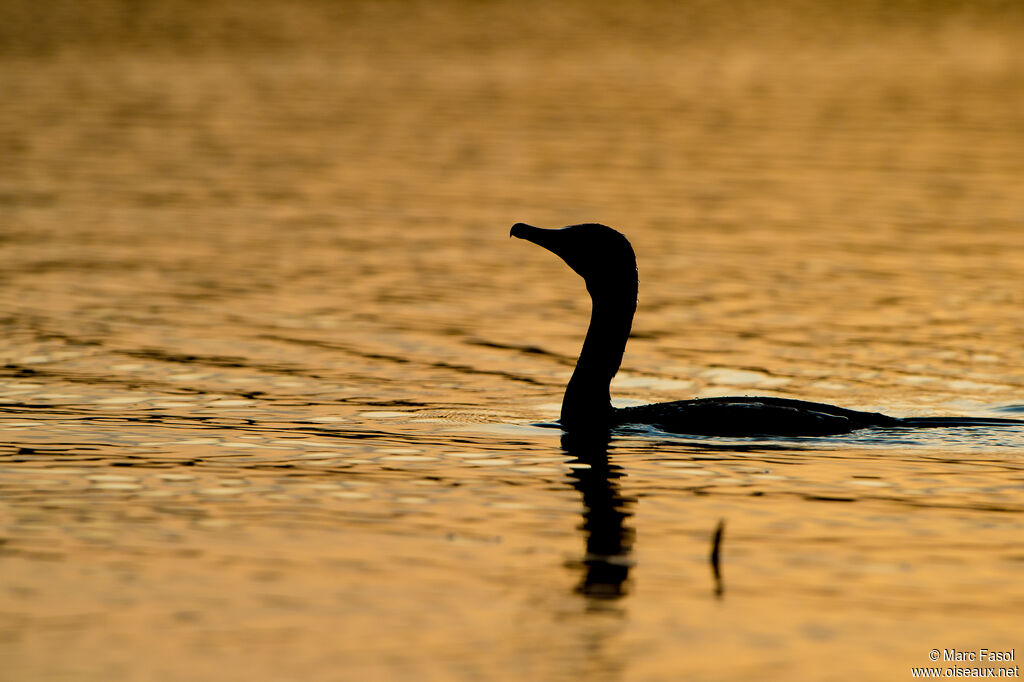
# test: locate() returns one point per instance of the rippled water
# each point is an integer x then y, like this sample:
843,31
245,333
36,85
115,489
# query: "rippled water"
277,388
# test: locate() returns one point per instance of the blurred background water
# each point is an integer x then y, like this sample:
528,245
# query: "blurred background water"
272,372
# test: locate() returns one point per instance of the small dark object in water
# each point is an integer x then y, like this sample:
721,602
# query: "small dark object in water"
605,260
716,550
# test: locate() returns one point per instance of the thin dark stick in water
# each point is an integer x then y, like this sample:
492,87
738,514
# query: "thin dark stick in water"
716,546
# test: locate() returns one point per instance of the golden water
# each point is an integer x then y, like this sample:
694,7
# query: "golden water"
272,371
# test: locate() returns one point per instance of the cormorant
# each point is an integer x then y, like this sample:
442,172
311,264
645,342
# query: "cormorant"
605,260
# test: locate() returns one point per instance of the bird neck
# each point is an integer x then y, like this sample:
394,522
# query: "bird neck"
587,400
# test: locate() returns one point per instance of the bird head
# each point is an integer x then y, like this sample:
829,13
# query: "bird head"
600,255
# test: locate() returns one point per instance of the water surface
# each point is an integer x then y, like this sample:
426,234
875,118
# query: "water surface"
274,379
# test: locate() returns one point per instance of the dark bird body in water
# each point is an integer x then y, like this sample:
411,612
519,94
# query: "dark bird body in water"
605,260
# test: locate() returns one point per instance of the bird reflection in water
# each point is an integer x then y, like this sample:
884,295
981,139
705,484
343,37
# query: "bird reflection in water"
607,561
